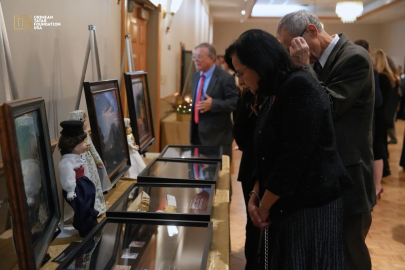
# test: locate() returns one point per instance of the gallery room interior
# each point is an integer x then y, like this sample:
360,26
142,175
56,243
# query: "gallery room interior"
99,168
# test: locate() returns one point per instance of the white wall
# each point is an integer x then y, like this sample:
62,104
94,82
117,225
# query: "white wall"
392,37
52,58
191,25
225,32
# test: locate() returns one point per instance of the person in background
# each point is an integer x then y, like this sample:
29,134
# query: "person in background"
214,95
299,176
378,128
395,102
346,73
245,118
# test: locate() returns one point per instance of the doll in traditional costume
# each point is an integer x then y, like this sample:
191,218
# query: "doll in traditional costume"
97,173
78,190
137,163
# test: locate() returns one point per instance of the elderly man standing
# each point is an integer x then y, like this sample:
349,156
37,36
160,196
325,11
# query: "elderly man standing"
214,95
346,72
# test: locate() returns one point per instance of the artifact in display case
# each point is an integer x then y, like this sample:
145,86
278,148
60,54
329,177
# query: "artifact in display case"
165,201
30,177
193,152
139,244
139,108
107,126
137,163
180,171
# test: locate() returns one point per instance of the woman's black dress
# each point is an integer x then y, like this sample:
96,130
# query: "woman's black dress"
297,160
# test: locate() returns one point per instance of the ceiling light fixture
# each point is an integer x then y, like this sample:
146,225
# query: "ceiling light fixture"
243,12
349,11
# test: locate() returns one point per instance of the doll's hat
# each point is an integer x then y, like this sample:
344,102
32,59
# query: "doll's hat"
72,128
127,122
77,115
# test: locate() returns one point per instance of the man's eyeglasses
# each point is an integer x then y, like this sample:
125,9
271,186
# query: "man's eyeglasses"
303,32
239,74
199,57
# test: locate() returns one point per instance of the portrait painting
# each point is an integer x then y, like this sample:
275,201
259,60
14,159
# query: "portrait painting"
139,108
107,126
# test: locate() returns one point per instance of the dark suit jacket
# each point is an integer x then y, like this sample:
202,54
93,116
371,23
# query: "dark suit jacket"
348,79
295,148
215,126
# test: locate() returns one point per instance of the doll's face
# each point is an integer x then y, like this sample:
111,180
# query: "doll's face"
80,148
84,120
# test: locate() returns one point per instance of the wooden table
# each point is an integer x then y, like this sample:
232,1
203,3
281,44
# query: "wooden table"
218,257
174,132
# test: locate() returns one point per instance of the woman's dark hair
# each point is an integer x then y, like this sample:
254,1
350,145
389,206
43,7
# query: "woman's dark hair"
67,144
262,52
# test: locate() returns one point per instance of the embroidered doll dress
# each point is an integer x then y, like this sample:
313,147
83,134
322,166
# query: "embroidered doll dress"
75,183
137,163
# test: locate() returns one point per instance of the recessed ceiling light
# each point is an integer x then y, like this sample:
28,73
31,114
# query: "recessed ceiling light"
243,12
241,21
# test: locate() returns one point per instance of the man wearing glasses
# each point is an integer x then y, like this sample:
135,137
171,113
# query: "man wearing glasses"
346,73
214,96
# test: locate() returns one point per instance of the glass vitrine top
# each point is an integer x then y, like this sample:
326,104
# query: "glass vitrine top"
193,152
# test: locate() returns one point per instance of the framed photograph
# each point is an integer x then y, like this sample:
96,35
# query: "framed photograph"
30,178
192,152
107,126
165,201
139,108
180,171
118,243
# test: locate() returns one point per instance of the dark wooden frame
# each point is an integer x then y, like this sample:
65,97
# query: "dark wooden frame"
28,256
100,226
114,211
94,88
144,178
219,159
130,78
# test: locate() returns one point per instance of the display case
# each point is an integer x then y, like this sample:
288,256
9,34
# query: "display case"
165,201
193,152
107,126
180,171
139,244
30,178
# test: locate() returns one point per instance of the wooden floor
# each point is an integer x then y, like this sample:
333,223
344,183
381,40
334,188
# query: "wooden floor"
386,239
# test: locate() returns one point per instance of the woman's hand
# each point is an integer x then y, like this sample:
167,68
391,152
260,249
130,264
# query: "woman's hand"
264,215
71,198
255,215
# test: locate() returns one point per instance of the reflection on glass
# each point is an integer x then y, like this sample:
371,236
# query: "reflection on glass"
142,246
140,108
31,156
182,200
181,170
192,152
112,137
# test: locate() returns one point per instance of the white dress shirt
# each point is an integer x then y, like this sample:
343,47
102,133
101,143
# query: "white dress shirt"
327,52
68,163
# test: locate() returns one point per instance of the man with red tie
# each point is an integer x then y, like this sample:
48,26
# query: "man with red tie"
214,95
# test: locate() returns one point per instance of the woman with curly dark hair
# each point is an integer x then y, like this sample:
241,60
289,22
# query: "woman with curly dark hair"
299,176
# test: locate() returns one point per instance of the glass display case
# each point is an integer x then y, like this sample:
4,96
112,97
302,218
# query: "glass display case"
165,201
143,244
193,152
180,171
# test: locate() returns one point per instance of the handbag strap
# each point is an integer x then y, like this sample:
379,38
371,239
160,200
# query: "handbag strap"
266,248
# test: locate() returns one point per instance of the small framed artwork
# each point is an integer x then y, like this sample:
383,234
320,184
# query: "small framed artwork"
180,171
107,126
30,178
165,201
118,243
139,108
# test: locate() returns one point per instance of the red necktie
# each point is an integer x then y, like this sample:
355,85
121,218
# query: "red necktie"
200,90
195,164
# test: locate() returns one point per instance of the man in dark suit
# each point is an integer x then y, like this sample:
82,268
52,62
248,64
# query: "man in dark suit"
214,95
346,73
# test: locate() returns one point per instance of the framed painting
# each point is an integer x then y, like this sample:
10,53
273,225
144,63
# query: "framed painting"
118,243
139,108
107,126
30,178
165,201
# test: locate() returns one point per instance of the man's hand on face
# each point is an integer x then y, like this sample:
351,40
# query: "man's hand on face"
299,51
